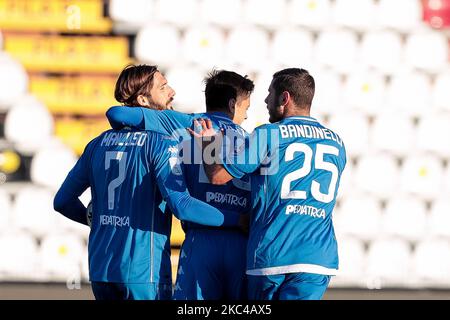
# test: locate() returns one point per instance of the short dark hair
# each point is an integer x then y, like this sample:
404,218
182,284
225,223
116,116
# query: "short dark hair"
298,82
223,85
134,80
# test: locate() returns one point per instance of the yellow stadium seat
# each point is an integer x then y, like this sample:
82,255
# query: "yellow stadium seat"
74,16
50,53
75,95
177,235
78,133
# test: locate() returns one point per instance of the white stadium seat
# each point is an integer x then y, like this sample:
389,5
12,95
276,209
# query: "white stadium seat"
352,263
404,217
389,262
189,87
28,113
355,14
248,47
5,212
432,262
33,211
337,49
328,96
223,13
19,257
51,164
203,46
177,12
377,174
422,176
433,132
13,81
365,91
439,218
158,44
314,14
265,13
401,15
345,125
393,132
427,51
61,256
359,217
441,93
131,12
381,50
410,93
300,44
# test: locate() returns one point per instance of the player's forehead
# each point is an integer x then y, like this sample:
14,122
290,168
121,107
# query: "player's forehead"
159,79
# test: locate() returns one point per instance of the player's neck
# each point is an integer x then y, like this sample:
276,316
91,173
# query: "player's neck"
296,112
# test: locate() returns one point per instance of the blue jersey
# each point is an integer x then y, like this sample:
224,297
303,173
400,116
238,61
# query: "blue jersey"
296,166
231,198
129,173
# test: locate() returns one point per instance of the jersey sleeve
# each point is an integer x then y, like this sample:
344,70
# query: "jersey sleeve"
66,200
249,155
166,122
170,179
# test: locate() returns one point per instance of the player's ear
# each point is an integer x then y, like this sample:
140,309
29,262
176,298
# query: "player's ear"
285,98
143,101
232,105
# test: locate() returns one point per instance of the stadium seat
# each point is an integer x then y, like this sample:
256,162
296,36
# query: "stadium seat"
377,174
446,179
328,97
265,13
410,93
427,51
404,217
431,263
223,13
189,87
61,256
85,265
248,47
5,213
300,44
440,92
134,12
389,262
393,132
158,44
51,164
314,14
359,217
422,176
345,125
439,218
432,134
357,15
401,15
436,13
33,211
364,91
381,50
352,263
203,46
13,81
180,13
337,49
19,257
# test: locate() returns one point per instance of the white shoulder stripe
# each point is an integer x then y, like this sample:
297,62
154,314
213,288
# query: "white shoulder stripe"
293,268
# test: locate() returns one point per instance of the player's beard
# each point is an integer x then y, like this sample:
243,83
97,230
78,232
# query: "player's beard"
156,106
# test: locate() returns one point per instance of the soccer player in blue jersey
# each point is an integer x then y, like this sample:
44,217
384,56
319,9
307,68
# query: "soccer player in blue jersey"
212,260
130,171
295,165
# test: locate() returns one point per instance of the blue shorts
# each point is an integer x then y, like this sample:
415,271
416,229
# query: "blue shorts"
290,286
212,266
131,291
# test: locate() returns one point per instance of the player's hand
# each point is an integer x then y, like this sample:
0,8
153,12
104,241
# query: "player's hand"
204,128
89,214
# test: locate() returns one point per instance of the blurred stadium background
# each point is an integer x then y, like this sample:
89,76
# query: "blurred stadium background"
383,82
